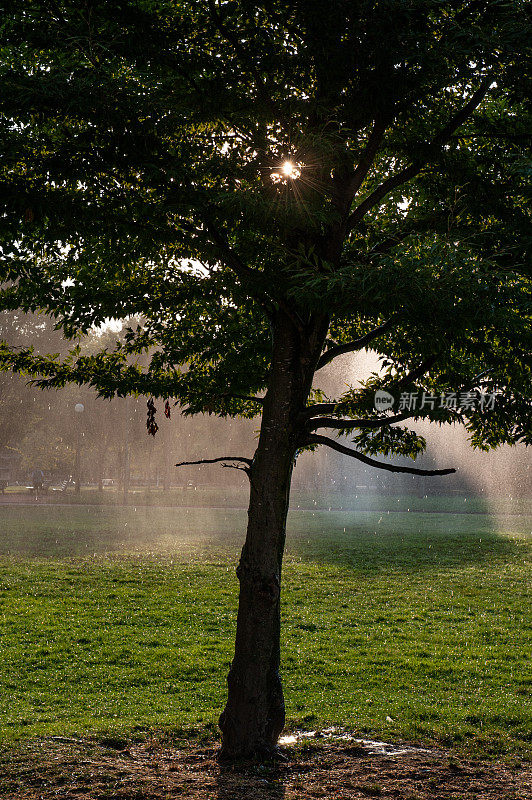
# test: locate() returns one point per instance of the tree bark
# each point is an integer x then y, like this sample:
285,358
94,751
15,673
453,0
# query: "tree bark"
254,715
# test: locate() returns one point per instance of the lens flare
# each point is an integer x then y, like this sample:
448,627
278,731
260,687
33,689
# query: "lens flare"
287,171
290,170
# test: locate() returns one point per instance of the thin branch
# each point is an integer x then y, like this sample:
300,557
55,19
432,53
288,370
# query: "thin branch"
341,424
409,227
387,186
318,408
230,258
234,466
465,112
347,451
391,241
417,372
413,169
215,461
353,346
251,398
233,261
366,160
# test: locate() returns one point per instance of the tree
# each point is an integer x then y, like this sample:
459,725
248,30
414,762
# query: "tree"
23,406
272,185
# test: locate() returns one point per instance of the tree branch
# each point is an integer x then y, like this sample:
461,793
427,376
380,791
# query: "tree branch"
356,344
377,422
413,169
391,241
242,460
230,258
367,157
417,372
329,408
347,451
247,275
234,466
387,186
251,398
318,408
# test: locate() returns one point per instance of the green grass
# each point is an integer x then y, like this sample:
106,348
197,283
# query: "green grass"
122,620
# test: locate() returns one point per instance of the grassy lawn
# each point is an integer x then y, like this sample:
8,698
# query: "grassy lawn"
122,619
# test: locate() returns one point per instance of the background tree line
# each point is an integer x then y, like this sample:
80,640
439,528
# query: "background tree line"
40,429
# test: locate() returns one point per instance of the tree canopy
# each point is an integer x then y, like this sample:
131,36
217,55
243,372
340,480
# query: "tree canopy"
143,150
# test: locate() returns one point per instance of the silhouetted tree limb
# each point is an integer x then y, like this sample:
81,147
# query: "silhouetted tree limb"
406,174
242,460
354,345
347,451
377,422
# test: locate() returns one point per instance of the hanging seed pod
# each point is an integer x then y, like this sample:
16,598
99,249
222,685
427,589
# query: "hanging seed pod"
151,425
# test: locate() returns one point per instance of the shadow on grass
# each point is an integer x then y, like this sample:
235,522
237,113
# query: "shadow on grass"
403,542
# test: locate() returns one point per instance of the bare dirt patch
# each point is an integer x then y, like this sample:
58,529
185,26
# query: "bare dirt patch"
158,769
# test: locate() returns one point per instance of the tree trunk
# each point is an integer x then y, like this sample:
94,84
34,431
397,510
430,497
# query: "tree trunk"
254,714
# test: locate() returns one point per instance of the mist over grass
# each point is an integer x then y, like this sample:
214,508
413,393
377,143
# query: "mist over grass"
325,529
